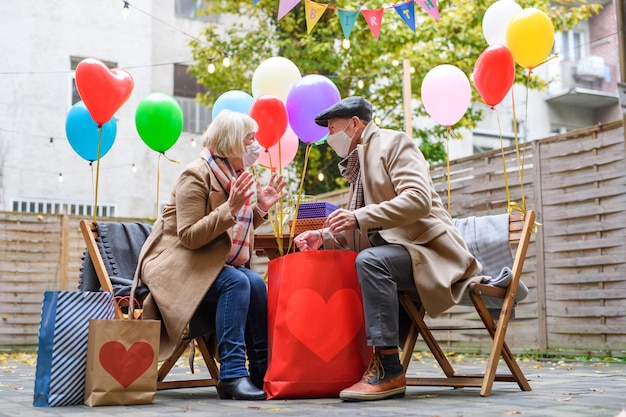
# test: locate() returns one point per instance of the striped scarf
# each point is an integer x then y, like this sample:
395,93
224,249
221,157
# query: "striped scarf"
350,169
240,250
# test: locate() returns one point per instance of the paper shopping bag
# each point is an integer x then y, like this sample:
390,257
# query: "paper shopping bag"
122,362
316,329
62,347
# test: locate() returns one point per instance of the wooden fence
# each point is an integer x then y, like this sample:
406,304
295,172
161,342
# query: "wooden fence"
575,268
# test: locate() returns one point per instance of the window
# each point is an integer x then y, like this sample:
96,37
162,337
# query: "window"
188,9
570,45
26,205
196,116
74,61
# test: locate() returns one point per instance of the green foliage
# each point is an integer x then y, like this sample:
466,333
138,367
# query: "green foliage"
250,34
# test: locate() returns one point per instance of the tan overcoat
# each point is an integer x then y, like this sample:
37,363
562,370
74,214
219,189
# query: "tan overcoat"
186,250
401,203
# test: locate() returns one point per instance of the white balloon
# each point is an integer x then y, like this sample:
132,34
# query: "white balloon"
496,20
276,76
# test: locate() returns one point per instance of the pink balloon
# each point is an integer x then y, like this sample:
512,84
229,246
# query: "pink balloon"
446,94
273,157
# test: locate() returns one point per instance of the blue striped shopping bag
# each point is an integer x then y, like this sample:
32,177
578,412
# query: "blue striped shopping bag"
62,348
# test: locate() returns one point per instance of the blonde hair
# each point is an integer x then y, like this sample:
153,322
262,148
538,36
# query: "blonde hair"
226,134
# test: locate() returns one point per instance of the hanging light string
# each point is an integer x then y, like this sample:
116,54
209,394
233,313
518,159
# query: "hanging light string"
225,55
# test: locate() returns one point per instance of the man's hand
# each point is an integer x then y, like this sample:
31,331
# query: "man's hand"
309,240
341,220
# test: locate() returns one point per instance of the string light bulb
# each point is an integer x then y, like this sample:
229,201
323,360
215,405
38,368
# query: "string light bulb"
320,176
193,142
211,67
61,177
226,61
51,142
345,43
125,10
360,84
134,168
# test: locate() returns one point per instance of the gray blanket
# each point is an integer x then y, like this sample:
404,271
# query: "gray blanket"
119,245
487,238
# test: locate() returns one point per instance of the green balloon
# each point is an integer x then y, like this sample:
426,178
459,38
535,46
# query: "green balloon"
159,121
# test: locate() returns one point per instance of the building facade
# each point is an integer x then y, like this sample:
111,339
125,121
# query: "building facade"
41,43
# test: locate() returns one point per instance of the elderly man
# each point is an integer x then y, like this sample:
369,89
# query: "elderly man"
410,240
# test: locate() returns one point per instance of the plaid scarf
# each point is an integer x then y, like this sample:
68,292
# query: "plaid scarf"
240,250
350,169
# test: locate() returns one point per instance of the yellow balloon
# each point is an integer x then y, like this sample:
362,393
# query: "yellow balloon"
529,37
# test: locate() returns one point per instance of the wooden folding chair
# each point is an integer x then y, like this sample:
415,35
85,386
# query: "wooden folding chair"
90,235
519,234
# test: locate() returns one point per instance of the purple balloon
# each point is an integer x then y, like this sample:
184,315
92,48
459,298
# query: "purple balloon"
306,99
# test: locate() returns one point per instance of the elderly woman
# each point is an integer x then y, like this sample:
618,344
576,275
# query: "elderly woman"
197,253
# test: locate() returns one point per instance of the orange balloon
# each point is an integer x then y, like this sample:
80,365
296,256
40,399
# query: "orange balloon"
529,37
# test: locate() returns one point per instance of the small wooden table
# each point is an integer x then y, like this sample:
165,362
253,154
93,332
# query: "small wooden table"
266,244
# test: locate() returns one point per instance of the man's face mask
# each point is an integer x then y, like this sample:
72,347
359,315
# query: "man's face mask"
251,155
341,142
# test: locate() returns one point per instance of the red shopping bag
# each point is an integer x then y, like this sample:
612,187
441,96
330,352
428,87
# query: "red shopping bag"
317,342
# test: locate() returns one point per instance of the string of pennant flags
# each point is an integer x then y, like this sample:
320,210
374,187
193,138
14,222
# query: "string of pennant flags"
347,18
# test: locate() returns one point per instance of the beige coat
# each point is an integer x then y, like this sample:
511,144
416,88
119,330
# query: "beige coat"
401,203
186,251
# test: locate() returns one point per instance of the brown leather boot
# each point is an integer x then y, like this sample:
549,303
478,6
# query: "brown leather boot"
383,379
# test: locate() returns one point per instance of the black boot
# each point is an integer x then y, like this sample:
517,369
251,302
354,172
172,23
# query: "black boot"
257,381
239,389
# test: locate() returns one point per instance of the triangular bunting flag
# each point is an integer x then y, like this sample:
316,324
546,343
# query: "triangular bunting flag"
347,18
285,7
407,13
431,7
255,1
374,19
314,12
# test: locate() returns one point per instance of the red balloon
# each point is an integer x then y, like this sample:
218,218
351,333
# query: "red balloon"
271,115
103,90
494,73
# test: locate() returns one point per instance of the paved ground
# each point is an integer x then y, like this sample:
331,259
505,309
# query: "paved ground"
560,388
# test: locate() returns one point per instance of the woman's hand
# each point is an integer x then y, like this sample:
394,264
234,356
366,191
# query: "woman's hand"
240,191
268,196
309,240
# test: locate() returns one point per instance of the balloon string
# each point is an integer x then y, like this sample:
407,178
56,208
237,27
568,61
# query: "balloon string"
292,232
504,173
158,183
168,158
95,204
448,164
516,206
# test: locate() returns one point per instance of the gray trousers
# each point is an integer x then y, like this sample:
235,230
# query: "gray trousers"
382,270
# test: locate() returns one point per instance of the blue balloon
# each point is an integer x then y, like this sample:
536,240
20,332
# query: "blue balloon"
234,100
83,133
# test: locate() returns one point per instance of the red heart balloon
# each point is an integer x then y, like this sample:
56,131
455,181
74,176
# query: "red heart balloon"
271,115
494,73
103,90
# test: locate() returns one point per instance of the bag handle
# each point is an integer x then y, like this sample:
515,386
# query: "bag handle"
132,301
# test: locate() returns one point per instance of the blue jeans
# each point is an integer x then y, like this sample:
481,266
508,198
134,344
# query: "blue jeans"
240,321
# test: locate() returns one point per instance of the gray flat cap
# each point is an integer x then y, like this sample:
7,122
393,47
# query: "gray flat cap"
346,108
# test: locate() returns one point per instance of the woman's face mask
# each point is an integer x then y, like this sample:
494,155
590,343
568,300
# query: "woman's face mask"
341,142
251,155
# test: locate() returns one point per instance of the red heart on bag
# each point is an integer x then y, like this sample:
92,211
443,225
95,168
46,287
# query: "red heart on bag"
103,90
328,331
126,365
